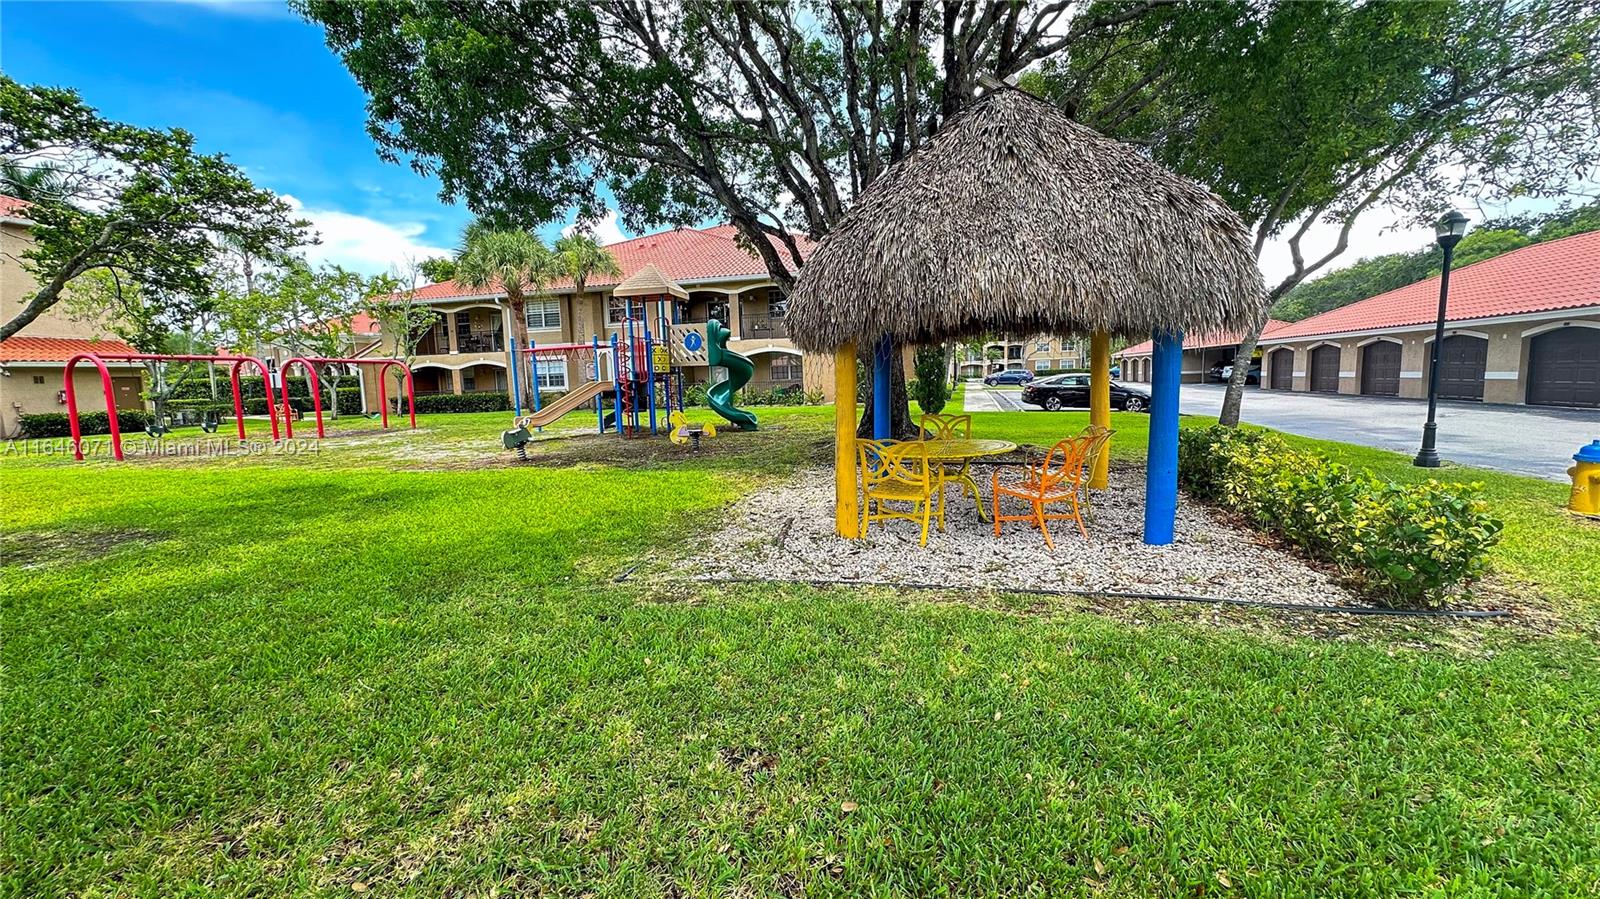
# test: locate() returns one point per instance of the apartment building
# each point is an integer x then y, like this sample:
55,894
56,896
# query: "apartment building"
33,361
1041,352
467,349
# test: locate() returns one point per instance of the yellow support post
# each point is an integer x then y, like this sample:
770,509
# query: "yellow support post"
1100,401
846,513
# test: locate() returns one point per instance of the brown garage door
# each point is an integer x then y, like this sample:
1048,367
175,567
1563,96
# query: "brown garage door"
1283,369
1325,369
1461,364
1564,368
1380,369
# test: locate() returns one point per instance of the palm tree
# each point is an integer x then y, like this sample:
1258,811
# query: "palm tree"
515,261
40,183
579,257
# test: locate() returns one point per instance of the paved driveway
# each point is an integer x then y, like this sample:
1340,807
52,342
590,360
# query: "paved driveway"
1530,440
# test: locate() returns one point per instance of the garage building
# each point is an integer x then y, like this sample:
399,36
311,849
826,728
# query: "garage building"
1520,328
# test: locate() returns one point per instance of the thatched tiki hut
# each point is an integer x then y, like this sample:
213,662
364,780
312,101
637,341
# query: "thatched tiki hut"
1016,219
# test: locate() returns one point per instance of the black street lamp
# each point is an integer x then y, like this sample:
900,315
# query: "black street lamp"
1448,232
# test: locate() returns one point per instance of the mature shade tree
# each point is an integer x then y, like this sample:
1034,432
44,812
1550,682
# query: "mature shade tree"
1300,114
309,311
138,201
509,259
438,269
146,320
392,302
771,116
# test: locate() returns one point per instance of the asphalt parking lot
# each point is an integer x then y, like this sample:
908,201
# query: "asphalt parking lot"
1529,440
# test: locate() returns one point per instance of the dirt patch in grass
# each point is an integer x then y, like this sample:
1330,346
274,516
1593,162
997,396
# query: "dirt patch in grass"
39,549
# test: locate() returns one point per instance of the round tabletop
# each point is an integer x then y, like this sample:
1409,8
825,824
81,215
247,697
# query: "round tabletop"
967,448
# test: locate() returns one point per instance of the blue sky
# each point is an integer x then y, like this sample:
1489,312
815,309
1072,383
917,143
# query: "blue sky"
255,82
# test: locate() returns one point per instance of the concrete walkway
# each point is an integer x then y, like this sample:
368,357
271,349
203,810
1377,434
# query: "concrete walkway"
1530,440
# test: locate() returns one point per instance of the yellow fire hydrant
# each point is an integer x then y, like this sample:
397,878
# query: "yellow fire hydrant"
1586,480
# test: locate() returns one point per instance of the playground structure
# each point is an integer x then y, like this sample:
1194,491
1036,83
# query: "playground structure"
99,360
309,364
640,368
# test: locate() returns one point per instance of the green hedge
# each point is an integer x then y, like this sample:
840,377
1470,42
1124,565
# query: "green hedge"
1408,545
44,425
695,395
468,402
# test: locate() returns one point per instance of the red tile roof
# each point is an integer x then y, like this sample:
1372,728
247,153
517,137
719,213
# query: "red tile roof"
1560,274
1208,341
55,349
11,207
682,254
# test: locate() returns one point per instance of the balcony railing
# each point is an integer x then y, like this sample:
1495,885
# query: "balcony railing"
764,329
480,342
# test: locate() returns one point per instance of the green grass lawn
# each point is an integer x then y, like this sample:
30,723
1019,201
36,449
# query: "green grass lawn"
398,665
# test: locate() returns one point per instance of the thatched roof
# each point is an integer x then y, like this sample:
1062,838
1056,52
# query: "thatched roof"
649,282
1014,218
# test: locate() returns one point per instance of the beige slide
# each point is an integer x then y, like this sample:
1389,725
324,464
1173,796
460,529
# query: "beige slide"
572,400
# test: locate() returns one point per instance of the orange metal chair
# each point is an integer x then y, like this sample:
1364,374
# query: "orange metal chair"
1058,478
893,472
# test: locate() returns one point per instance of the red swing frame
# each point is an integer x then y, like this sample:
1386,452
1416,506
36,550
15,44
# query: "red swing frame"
309,364
99,361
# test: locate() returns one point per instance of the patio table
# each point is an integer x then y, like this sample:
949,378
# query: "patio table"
962,449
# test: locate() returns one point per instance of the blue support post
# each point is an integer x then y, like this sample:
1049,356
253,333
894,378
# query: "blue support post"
533,373
650,375
1161,467
599,401
882,390
616,387
516,385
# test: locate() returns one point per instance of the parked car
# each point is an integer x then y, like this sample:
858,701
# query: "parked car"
1009,376
1072,392
1253,376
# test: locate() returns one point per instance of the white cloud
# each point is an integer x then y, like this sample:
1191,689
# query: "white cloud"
606,231
363,244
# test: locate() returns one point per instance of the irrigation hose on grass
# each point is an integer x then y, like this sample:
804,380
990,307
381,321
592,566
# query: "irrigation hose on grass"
1471,614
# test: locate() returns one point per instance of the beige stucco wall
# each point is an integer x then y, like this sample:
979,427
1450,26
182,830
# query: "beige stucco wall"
1505,371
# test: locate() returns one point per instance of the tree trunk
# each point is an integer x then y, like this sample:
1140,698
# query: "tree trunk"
901,427
332,380
519,327
1234,397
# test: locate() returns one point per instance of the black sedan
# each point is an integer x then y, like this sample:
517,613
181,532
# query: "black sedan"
1072,392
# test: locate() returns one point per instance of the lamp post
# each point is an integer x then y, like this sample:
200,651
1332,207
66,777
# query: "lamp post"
1448,232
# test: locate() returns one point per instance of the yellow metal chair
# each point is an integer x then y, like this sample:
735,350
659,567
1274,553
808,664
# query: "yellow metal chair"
1058,478
947,427
951,427
1099,444
893,472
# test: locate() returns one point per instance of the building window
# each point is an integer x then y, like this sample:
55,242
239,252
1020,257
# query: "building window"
551,373
468,382
777,303
38,379
1042,346
499,379
618,309
1013,352
463,323
543,315
786,368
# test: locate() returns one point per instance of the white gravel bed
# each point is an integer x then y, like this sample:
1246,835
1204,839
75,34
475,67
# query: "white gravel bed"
786,533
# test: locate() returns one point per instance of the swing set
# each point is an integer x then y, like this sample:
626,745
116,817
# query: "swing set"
234,363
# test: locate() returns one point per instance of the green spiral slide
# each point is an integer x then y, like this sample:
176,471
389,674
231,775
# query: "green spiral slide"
740,369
